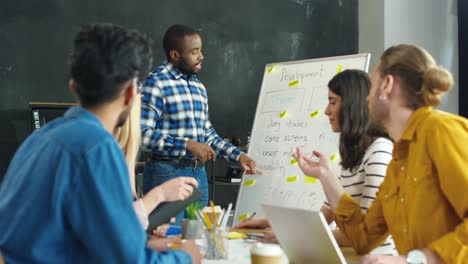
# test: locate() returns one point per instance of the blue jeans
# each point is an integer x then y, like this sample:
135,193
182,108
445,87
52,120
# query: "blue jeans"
158,172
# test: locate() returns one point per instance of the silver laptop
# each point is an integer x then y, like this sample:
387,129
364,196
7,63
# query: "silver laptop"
304,235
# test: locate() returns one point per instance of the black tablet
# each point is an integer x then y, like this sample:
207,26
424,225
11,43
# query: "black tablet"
165,211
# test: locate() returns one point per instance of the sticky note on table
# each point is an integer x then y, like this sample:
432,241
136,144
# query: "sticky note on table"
292,179
310,179
250,182
340,68
236,235
283,114
314,113
293,161
293,83
242,217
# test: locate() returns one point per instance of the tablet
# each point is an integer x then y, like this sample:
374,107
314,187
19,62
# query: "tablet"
165,211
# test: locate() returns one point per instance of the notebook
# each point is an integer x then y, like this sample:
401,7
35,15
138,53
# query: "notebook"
304,235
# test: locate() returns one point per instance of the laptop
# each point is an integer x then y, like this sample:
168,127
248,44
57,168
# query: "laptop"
304,235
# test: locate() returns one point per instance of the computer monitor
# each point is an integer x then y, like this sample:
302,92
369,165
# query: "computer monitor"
44,112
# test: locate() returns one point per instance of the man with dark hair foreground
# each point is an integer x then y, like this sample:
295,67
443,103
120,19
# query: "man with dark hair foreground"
66,196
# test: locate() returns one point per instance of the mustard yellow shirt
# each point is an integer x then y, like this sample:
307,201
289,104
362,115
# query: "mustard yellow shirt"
423,201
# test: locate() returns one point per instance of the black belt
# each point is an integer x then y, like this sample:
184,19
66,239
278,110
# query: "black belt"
183,162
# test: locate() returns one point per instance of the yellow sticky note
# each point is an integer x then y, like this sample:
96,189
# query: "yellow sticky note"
293,161
293,83
236,235
292,179
340,68
314,113
272,68
250,182
242,217
283,114
335,157
310,179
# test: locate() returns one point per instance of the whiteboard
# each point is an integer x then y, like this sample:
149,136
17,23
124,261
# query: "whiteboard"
290,114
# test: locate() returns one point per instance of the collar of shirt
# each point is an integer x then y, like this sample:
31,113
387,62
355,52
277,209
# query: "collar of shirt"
78,111
400,150
174,71
414,121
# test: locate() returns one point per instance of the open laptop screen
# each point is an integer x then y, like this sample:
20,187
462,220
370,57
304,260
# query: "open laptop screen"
304,235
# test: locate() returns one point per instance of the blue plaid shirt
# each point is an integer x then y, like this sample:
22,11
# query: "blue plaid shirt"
174,109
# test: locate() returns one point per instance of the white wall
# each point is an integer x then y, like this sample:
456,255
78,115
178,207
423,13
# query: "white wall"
431,24
371,29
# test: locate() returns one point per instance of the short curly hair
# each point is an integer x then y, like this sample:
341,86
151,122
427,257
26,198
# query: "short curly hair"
105,56
174,36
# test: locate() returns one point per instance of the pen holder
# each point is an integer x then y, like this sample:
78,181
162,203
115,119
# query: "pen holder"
216,242
191,229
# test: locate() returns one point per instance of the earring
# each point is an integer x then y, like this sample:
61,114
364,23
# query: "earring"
382,98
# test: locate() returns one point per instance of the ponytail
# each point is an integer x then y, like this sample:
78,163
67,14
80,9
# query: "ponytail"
423,82
436,82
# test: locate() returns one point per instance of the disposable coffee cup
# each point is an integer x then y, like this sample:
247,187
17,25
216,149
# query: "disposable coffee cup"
261,253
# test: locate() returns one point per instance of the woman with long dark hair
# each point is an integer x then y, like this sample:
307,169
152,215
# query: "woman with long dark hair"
365,151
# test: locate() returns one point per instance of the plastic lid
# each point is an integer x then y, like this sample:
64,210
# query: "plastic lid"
262,249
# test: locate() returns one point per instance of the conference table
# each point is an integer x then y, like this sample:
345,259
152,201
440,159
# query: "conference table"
239,253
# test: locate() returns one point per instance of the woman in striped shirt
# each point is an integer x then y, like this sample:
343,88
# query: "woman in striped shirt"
365,151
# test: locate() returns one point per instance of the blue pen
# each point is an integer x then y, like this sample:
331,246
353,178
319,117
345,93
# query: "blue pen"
174,231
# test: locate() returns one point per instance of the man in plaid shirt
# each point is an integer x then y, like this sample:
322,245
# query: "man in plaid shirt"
176,128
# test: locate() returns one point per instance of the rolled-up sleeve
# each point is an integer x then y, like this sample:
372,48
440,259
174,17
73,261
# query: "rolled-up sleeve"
364,231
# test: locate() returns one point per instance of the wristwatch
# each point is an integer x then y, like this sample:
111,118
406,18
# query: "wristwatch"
416,256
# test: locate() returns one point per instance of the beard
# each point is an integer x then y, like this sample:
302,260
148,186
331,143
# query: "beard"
123,117
185,68
379,112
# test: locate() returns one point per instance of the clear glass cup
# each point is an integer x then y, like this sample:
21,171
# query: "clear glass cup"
216,243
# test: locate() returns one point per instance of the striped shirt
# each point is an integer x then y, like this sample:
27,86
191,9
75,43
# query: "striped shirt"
363,182
174,109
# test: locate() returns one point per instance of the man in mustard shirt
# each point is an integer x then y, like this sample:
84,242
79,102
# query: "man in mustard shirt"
422,202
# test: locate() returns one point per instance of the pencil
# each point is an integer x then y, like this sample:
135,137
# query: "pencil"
226,217
215,220
250,217
207,220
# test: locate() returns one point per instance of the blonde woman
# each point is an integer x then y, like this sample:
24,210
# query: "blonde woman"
128,136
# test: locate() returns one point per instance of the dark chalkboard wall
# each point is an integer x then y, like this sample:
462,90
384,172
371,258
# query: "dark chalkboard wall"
239,36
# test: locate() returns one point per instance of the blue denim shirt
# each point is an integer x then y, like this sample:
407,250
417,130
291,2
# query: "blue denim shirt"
66,198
